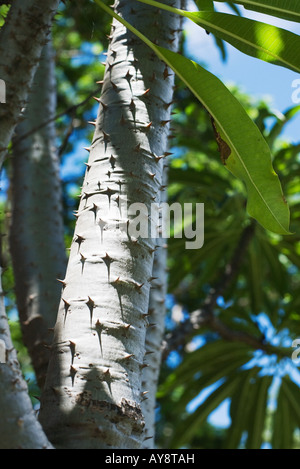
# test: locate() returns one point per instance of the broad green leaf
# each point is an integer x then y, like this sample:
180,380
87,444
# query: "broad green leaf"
188,427
279,125
255,276
234,8
240,407
250,157
283,419
258,412
206,5
286,9
261,40
292,392
211,358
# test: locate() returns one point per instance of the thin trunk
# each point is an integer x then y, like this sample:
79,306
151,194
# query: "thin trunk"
21,41
19,428
93,391
154,336
37,233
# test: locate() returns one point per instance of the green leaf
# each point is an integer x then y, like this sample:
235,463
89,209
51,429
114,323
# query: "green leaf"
250,157
286,9
260,40
190,426
291,391
206,5
255,276
279,125
283,419
240,408
234,8
258,412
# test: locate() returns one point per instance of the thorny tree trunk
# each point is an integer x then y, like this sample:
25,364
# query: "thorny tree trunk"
93,391
155,331
19,428
21,41
37,233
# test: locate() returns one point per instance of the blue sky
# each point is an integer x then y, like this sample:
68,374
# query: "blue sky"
254,76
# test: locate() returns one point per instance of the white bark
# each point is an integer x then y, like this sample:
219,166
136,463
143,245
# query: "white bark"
37,232
19,428
21,41
93,391
155,333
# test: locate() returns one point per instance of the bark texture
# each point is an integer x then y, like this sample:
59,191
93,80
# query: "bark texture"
19,428
93,392
155,331
37,232
22,38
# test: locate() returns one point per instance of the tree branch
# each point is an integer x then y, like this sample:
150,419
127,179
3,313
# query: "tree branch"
205,315
69,110
22,38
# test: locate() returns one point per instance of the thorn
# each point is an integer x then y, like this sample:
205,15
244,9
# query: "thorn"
138,287
166,73
94,209
87,148
72,346
114,86
73,372
83,259
132,106
128,356
122,120
153,78
143,365
148,126
128,76
163,123
79,240
91,305
112,161
63,282
106,137
92,123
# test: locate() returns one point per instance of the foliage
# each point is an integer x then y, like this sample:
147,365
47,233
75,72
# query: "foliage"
261,300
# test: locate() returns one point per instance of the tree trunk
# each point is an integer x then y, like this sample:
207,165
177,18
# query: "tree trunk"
93,392
19,428
21,41
155,332
37,232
